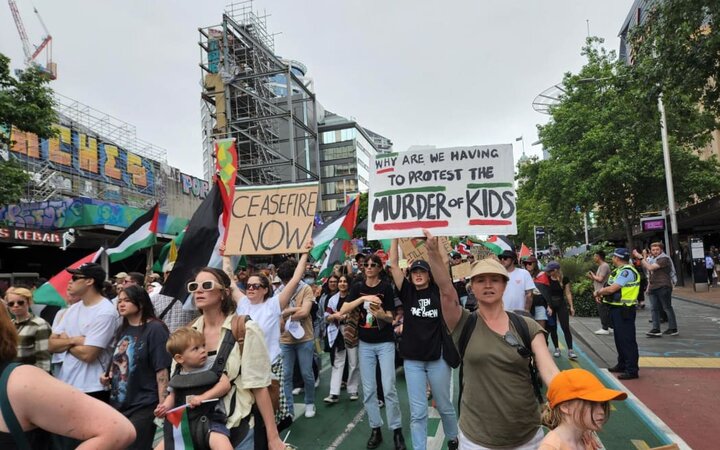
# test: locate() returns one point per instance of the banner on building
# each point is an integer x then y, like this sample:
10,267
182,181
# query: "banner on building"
451,191
269,220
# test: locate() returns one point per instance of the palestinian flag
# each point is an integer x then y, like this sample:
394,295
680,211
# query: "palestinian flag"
524,251
168,253
200,245
337,252
498,244
181,438
462,248
341,227
139,235
54,291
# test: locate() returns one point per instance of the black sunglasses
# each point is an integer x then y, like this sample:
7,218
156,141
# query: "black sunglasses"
513,342
78,277
19,303
371,264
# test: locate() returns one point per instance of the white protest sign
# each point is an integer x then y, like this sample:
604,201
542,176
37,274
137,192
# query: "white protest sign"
450,191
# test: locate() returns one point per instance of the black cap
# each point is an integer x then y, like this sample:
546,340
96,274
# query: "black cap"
90,270
508,254
420,264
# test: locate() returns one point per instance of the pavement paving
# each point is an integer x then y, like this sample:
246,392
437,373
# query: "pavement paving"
679,384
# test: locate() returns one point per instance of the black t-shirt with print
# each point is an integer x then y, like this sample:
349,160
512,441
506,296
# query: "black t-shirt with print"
370,329
422,325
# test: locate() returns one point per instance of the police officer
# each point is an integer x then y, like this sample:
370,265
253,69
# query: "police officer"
620,294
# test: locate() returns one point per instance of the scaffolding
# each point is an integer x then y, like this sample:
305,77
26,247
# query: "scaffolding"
276,135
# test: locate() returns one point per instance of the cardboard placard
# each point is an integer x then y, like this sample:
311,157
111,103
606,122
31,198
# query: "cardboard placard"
414,248
269,220
481,252
450,191
461,271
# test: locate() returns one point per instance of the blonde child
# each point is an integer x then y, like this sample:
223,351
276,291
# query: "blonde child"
578,406
187,346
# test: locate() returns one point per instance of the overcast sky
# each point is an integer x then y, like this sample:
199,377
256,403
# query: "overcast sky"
420,72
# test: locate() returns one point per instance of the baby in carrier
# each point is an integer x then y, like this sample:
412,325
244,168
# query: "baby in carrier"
197,379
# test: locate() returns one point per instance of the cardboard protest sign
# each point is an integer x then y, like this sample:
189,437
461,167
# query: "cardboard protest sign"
413,249
460,271
452,192
481,252
268,220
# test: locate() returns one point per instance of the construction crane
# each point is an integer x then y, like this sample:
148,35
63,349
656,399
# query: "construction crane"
50,68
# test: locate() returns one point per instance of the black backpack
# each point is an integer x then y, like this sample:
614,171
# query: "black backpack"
522,328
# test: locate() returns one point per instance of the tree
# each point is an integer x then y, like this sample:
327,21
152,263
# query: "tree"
26,103
678,49
605,150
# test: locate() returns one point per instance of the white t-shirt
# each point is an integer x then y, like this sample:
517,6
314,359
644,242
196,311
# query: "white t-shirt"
514,296
267,316
98,324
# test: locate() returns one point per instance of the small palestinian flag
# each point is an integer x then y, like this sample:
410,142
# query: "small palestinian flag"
498,244
341,227
181,437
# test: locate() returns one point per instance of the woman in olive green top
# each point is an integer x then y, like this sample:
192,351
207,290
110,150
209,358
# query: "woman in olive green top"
498,406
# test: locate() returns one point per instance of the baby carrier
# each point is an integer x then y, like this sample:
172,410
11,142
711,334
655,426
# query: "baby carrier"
200,417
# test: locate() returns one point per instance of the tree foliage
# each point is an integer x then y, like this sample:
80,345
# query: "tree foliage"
678,48
26,102
606,154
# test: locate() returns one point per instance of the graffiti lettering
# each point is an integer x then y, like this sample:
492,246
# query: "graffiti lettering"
195,186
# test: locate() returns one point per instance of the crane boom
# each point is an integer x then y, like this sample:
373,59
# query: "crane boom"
21,31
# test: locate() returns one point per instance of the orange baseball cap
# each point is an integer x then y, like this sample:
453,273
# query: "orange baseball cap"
579,383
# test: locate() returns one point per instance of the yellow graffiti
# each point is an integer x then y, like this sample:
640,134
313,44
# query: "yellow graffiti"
87,153
135,168
111,170
24,143
55,152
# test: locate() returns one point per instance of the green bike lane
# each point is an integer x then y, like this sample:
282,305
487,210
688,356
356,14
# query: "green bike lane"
344,425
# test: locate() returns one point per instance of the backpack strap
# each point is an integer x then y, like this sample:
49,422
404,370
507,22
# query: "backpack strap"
7,413
522,328
237,334
465,334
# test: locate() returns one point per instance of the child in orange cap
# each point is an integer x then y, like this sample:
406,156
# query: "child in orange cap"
578,406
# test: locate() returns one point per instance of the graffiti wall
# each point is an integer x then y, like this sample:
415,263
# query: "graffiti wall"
88,156
77,212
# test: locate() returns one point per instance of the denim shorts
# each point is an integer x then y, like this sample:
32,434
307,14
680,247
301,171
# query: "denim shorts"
540,313
218,427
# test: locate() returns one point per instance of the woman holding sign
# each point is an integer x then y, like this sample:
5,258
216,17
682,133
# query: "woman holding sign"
376,301
498,405
422,348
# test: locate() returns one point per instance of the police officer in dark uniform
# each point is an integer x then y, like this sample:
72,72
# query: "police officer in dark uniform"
621,294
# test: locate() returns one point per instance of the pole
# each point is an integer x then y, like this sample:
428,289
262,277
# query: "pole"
149,263
535,237
587,240
675,247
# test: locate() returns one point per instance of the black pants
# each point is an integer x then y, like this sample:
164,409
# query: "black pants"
142,420
623,320
562,316
604,312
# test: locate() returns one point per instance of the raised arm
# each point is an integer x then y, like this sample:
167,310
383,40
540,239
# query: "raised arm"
289,289
451,308
395,270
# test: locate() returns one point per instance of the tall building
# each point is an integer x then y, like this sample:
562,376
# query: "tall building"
266,103
345,150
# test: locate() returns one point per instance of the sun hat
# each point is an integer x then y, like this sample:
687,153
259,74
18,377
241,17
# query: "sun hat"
580,384
488,266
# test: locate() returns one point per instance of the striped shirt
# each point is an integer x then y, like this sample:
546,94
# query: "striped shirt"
33,336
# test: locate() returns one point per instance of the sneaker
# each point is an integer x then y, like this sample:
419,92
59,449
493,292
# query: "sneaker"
297,391
602,331
653,333
556,353
309,411
627,376
354,396
671,332
572,355
453,445
381,404
331,399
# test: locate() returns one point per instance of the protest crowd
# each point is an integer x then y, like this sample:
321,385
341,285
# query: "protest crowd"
234,361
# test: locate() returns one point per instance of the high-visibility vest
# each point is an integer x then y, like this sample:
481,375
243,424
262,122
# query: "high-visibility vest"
628,294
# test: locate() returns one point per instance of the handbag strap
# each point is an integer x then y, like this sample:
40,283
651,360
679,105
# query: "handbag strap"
7,413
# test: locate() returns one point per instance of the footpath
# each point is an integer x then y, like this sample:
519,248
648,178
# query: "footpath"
679,385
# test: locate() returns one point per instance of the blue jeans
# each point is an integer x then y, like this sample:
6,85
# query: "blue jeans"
439,375
249,442
303,352
661,299
385,354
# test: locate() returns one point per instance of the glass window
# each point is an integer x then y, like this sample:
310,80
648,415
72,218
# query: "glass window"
347,186
346,151
333,204
339,170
